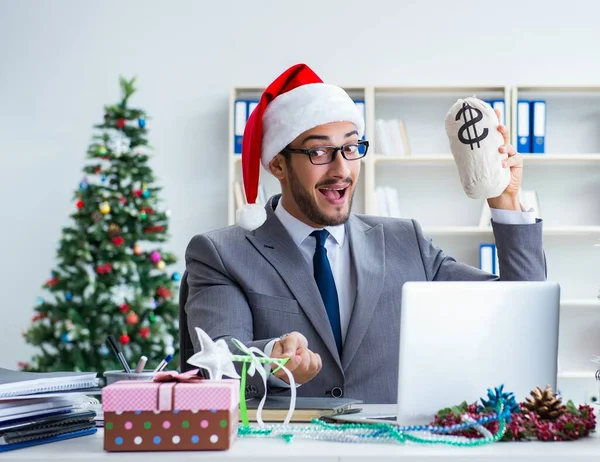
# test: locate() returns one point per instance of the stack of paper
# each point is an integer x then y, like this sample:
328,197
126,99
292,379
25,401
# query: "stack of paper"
38,408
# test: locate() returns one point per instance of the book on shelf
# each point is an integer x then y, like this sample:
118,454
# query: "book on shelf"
391,138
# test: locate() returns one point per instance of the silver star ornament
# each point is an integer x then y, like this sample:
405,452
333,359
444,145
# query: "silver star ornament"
215,357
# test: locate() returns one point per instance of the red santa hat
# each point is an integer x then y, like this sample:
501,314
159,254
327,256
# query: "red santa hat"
293,103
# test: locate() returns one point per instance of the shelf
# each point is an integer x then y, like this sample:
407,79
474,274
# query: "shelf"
528,158
577,375
475,230
379,89
581,302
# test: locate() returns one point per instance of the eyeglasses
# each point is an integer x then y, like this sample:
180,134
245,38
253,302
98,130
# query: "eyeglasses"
320,155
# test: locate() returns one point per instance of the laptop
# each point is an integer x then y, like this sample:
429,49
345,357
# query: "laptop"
457,339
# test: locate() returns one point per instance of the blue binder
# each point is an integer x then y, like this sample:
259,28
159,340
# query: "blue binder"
523,126
487,258
538,126
240,115
50,439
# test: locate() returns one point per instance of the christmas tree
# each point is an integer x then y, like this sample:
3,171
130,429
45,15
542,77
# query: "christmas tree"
111,275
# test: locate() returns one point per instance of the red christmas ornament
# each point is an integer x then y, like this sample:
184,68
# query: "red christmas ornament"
154,229
98,170
23,365
38,316
144,332
118,241
79,204
124,308
124,339
52,282
164,292
138,192
148,210
122,200
121,123
104,269
132,318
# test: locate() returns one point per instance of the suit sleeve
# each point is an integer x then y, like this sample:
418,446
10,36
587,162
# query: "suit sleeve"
217,304
520,254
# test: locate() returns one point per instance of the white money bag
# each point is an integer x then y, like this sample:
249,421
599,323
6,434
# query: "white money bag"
472,127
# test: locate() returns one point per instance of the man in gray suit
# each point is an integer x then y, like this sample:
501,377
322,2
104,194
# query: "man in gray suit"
328,300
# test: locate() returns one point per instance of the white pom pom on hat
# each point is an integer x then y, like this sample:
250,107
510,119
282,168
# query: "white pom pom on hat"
293,103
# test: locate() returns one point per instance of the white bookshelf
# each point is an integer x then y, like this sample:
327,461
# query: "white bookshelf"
527,158
566,178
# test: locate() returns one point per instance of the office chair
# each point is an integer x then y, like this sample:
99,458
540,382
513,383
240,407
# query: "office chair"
186,348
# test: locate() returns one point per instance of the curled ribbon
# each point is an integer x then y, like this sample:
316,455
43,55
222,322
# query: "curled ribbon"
256,364
173,376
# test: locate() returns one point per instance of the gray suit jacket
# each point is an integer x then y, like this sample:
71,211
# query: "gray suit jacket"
256,286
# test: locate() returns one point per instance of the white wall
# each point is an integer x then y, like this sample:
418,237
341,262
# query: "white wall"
60,61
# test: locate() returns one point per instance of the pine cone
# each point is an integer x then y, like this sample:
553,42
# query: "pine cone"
545,404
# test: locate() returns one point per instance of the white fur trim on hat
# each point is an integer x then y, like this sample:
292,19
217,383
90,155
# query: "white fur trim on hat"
305,107
251,216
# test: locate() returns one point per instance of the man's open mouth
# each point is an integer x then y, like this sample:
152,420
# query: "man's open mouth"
335,193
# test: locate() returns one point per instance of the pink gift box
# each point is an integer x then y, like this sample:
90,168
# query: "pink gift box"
169,416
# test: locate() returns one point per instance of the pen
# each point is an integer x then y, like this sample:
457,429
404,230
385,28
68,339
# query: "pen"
163,363
115,346
141,364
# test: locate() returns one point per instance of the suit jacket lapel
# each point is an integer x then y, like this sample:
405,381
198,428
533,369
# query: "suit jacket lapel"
368,258
275,244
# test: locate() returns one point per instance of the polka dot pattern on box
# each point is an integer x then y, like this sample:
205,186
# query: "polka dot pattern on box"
168,430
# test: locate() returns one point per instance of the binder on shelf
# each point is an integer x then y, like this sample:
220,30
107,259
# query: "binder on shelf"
538,126
523,126
240,117
487,258
243,109
500,105
251,106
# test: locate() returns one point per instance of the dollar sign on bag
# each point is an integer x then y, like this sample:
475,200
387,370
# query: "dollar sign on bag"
471,121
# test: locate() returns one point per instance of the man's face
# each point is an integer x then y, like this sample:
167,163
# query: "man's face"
320,195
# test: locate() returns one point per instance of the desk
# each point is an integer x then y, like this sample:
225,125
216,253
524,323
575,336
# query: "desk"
89,449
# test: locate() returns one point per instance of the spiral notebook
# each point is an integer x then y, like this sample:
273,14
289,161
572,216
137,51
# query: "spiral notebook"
20,383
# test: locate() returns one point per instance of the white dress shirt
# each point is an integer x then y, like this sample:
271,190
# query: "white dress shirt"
338,253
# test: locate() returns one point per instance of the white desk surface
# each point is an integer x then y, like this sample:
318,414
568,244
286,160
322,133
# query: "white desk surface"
90,449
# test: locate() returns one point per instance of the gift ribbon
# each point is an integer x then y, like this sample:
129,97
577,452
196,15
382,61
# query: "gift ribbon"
256,364
167,382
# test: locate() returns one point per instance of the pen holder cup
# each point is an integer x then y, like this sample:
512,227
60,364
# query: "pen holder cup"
115,376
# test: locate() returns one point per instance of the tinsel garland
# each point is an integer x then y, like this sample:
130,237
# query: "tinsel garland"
388,433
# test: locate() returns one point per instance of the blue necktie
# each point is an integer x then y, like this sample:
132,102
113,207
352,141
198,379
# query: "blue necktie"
326,284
